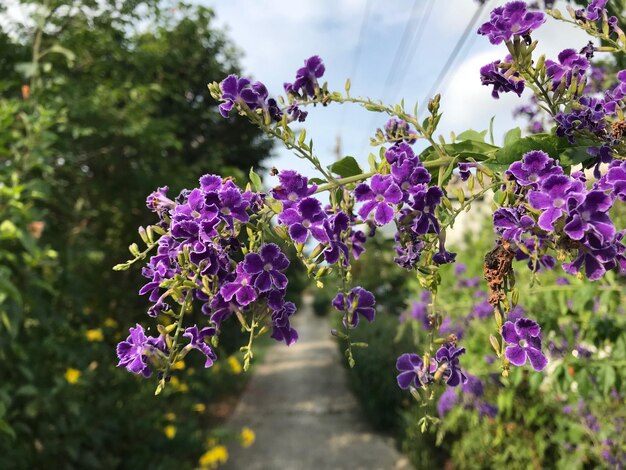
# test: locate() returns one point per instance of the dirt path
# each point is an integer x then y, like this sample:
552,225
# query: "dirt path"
304,416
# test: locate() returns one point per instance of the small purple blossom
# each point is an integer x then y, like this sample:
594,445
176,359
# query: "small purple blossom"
197,341
134,352
413,372
265,267
449,356
359,302
510,20
379,197
304,218
502,82
306,77
524,338
293,187
281,327
447,401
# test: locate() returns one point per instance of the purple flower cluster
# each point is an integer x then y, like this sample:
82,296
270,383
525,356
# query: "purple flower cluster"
569,216
240,91
570,66
471,398
197,254
502,81
590,116
397,130
413,371
512,19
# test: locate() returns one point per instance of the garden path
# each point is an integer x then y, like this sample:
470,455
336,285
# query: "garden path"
302,412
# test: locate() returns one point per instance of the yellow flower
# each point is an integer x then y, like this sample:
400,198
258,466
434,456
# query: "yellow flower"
174,382
247,436
199,407
110,322
214,457
94,335
180,365
170,431
170,416
72,375
235,366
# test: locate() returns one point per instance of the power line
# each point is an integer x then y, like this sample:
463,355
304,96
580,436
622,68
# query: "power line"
364,21
357,54
455,52
414,45
471,42
401,51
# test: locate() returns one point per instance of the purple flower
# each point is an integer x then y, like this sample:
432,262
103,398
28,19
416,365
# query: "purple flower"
593,12
490,74
238,90
446,402
306,77
482,310
380,197
292,188
359,302
413,372
358,239
512,19
410,175
218,309
449,355
552,199
265,267
487,410
614,180
590,216
535,166
305,217
399,153
425,203
197,341
158,202
136,350
399,131
474,386
465,170
589,116
570,65
510,224
335,228
524,336
241,288
281,328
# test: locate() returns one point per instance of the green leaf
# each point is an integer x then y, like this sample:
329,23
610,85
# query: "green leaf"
371,159
345,167
514,151
317,181
466,150
608,378
255,180
512,135
471,134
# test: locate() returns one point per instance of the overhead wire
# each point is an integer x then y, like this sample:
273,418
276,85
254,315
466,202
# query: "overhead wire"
455,52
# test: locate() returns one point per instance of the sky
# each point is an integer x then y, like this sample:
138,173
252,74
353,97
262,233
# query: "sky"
360,40
389,49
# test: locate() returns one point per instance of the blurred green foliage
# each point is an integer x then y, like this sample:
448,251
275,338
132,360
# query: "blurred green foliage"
100,103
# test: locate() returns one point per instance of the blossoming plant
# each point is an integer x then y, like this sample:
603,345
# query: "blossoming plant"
213,244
